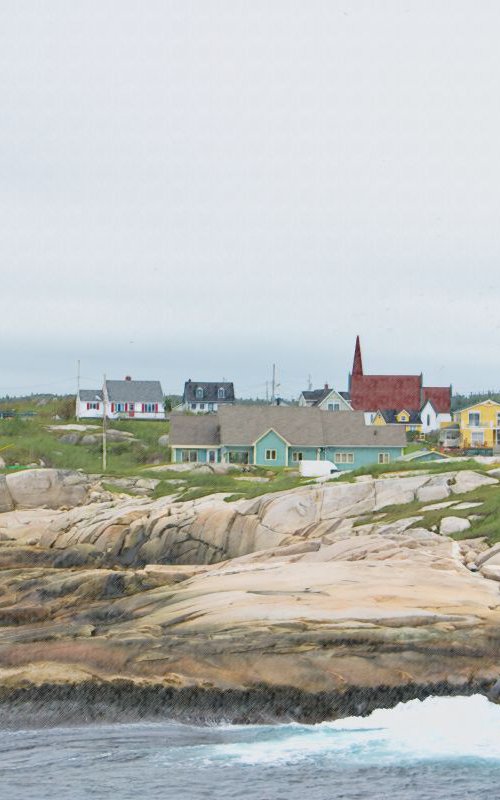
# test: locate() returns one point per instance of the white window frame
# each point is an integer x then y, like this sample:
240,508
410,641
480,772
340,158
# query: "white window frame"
298,456
269,454
477,435
199,393
475,414
221,393
344,458
384,458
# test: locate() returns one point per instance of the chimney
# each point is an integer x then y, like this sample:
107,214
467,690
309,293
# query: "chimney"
357,365
128,378
326,387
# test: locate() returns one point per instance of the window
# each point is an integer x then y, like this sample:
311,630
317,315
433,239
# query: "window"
297,456
190,456
477,437
344,458
237,457
150,408
428,419
193,406
199,393
498,420
474,418
221,393
210,406
270,455
202,406
384,458
119,407
131,406
333,406
93,406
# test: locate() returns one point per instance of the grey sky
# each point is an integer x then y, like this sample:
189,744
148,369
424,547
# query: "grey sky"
196,189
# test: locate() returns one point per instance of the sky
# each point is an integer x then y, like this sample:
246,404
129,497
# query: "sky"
202,188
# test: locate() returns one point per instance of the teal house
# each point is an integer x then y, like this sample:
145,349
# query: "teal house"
277,436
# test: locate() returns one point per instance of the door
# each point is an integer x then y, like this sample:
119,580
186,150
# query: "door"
211,456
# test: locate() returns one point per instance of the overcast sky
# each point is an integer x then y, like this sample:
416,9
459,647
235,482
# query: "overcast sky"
198,188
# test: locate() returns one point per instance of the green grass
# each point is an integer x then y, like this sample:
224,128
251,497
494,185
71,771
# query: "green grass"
27,441
198,485
434,467
488,524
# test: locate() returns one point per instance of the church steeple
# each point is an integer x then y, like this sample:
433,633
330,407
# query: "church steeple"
357,364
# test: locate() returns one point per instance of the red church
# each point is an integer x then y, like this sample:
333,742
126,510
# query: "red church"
395,393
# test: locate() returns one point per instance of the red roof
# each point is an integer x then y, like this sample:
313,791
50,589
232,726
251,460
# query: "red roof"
373,392
440,397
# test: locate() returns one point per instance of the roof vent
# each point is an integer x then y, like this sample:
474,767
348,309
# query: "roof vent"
128,378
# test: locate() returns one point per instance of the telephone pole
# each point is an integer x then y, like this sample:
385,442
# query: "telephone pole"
273,385
105,411
78,391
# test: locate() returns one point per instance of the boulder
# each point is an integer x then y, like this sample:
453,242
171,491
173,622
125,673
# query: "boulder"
468,481
428,494
450,525
6,503
489,553
70,438
90,438
491,572
49,488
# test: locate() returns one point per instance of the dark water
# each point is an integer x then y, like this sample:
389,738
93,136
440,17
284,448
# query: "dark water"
442,748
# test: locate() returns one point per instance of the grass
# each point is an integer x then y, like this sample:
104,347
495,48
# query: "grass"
198,484
28,441
488,524
434,467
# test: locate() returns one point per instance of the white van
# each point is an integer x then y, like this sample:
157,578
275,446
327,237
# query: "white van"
317,469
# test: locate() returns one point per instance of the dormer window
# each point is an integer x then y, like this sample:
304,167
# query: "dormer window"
199,393
221,393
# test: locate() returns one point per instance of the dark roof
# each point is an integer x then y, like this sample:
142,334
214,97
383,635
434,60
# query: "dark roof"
390,416
307,427
315,395
90,395
440,397
210,391
369,392
134,391
194,429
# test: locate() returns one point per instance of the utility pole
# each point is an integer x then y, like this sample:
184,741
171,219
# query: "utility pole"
78,391
105,411
309,383
267,391
273,386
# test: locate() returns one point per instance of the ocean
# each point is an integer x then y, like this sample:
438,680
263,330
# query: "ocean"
446,748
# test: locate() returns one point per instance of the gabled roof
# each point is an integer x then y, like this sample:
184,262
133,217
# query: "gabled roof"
369,392
488,402
210,391
315,395
90,395
439,396
134,391
390,416
307,427
194,429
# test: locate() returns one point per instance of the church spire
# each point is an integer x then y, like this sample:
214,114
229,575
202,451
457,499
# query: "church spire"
357,364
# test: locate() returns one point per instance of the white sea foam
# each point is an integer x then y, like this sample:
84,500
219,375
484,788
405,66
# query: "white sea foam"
438,728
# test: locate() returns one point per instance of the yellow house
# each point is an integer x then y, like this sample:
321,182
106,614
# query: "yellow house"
480,424
410,419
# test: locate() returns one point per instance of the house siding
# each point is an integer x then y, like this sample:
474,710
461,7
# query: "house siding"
363,456
271,441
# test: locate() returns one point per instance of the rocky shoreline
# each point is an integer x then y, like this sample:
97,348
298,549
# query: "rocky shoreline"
306,605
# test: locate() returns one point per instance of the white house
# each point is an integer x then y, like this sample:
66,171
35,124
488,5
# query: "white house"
431,418
326,399
124,400
204,397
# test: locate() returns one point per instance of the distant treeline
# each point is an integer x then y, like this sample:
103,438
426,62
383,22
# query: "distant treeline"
459,401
